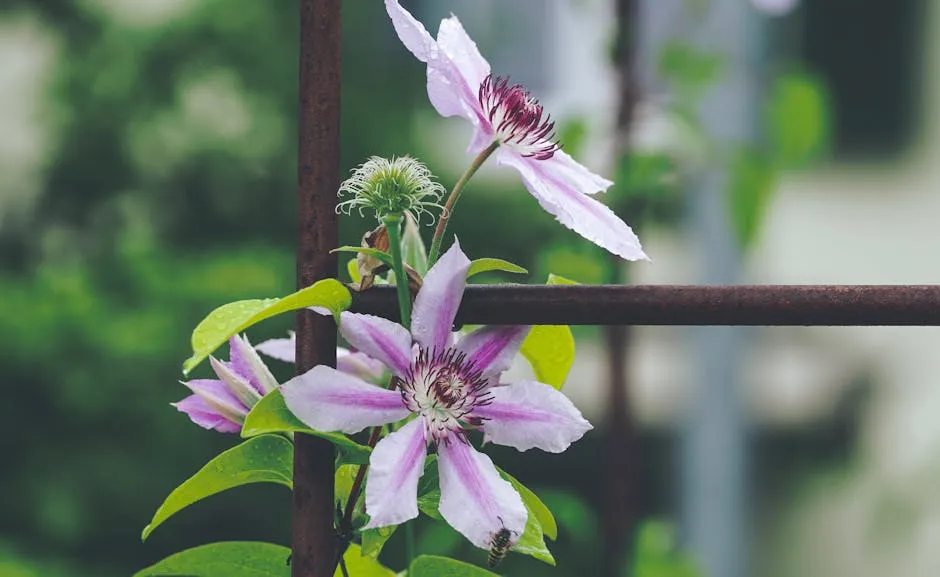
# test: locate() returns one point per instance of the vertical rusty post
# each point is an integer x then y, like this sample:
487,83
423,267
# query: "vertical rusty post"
314,543
619,487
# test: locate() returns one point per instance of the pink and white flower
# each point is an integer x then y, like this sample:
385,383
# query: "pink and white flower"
460,84
450,387
222,404
350,362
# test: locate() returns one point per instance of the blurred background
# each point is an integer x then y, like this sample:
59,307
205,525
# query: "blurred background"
147,175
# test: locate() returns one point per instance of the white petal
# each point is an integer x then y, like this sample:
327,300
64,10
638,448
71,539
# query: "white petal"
492,349
437,301
280,349
328,400
379,338
412,33
475,500
454,41
395,466
529,414
568,200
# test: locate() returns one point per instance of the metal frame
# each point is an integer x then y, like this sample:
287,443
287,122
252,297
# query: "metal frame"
314,538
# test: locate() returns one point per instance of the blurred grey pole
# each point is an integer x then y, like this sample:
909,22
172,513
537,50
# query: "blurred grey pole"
713,458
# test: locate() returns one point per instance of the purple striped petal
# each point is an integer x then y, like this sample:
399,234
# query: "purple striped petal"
395,466
379,338
280,349
436,304
361,365
492,349
529,414
475,500
217,395
199,412
246,362
564,192
236,383
328,400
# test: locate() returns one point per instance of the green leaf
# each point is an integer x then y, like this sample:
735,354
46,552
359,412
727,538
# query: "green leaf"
429,489
753,179
798,119
532,541
360,565
352,267
434,566
271,415
232,318
554,279
490,264
265,459
550,348
226,559
413,251
657,556
343,481
374,252
535,506
374,539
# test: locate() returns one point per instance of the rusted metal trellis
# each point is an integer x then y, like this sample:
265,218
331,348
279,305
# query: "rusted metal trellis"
314,539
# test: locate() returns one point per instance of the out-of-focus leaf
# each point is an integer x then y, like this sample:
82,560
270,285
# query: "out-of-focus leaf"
226,559
481,265
753,179
690,69
434,566
647,174
572,134
264,459
656,554
798,119
271,415
232,318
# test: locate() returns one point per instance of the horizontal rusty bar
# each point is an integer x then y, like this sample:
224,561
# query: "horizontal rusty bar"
754,305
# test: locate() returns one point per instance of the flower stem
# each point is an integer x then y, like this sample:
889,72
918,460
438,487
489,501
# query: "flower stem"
392,224
452,200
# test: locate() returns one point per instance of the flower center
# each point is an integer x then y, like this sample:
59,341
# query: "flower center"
517,118
444,389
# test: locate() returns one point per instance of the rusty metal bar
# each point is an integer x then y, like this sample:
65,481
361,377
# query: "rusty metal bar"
313,538
754,305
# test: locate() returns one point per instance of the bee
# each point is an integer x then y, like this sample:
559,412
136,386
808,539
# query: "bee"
499,546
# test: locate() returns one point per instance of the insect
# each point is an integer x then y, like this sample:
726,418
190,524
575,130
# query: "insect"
499,546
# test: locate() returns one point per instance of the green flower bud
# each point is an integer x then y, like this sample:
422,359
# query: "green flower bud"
398,186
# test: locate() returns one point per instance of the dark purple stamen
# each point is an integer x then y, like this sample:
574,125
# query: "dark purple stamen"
517,118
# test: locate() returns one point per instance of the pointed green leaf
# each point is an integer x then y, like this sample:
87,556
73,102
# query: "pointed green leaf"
352,267
535,506
266,459
490,264
532,541
374,252
225,559
374,539
434,566
232,318
550,351
550,348
360,565
751,188
271,415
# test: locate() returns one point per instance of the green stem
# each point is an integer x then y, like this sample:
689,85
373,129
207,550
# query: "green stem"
452,200
392,223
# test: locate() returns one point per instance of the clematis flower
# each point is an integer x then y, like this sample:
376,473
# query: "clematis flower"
223,403
506,115
352,363
446,389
